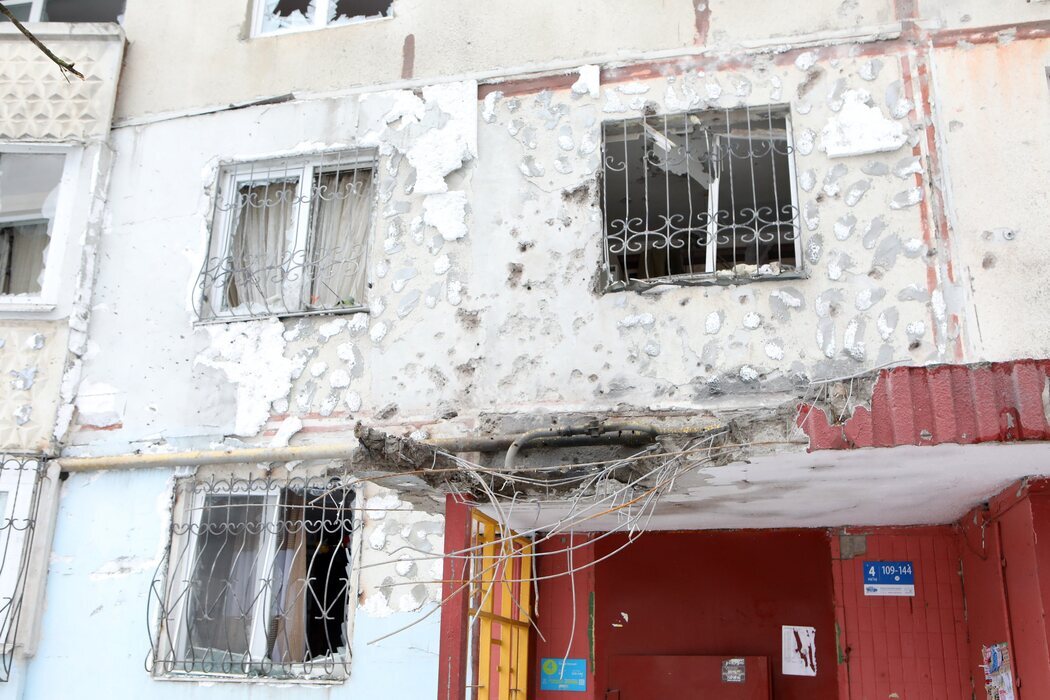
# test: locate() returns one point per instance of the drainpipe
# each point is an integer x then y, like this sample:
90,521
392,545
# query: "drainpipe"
583,436
614,434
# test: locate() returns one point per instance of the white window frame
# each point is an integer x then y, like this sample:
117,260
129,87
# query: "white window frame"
322,9
179,580
47,298
305,168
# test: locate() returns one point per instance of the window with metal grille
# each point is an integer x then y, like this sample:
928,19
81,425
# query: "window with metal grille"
20,494
500,610
289,237
258,581
29,184
699,196
278,16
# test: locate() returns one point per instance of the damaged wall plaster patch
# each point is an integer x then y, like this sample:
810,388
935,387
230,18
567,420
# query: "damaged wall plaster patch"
251,355
447,213
859,128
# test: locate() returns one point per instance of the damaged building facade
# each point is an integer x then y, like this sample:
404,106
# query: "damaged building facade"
403,349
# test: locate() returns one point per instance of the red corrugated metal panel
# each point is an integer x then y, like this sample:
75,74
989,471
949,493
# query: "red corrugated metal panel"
912,648
965,404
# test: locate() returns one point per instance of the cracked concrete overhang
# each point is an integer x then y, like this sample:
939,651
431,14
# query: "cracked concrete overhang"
869,487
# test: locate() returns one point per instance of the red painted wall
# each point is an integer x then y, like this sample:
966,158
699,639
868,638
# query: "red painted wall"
452,670
1006,564
553,612
708,593
914,647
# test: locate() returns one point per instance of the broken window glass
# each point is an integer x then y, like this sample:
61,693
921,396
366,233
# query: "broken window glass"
279,15
260,581
282,14
67,10
353,9
292,238
82,10
28,195
699,193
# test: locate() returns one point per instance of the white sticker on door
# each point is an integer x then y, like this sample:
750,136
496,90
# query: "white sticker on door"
799,653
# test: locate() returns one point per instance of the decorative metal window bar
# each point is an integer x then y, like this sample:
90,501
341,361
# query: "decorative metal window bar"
258,580
700,196
289,237
20,492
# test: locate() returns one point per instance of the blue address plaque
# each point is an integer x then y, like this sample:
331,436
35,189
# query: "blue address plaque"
889,578
563,674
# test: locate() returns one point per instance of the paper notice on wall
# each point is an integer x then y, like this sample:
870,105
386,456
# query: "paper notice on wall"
998,672
799,655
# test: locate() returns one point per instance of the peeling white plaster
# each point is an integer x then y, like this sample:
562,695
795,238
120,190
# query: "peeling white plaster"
713,324
447,213
251,355
437,152
805,60
638,320
378,332
859,128
589,81
288,428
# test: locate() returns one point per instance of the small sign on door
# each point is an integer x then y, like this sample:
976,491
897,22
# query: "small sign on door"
563,674
799,651
734,671
889,578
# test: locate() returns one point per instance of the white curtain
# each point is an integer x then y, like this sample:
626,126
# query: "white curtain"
22,251
259,245
342,219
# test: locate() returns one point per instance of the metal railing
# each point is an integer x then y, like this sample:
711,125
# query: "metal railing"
697,196
257,580
289,237
20,493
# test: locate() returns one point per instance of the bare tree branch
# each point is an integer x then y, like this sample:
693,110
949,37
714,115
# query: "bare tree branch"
64,65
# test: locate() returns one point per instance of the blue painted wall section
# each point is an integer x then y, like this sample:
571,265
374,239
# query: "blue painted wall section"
111,534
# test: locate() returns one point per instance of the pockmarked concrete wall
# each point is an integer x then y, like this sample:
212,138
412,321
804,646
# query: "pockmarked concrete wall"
484,253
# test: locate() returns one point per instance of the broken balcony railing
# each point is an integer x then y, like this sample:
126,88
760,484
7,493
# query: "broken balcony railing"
289,237
258,580
20,492
699,195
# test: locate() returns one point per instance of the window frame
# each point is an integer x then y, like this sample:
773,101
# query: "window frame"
47,298
711,274
178,580
258,13
211,298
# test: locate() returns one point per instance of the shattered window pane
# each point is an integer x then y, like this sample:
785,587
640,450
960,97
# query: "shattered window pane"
343,10
282,14
28,195
708,192
260,581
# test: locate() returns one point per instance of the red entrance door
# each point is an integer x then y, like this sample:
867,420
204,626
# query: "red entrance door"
689,678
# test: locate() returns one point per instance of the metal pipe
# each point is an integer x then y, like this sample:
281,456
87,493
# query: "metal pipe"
592,430
581,436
